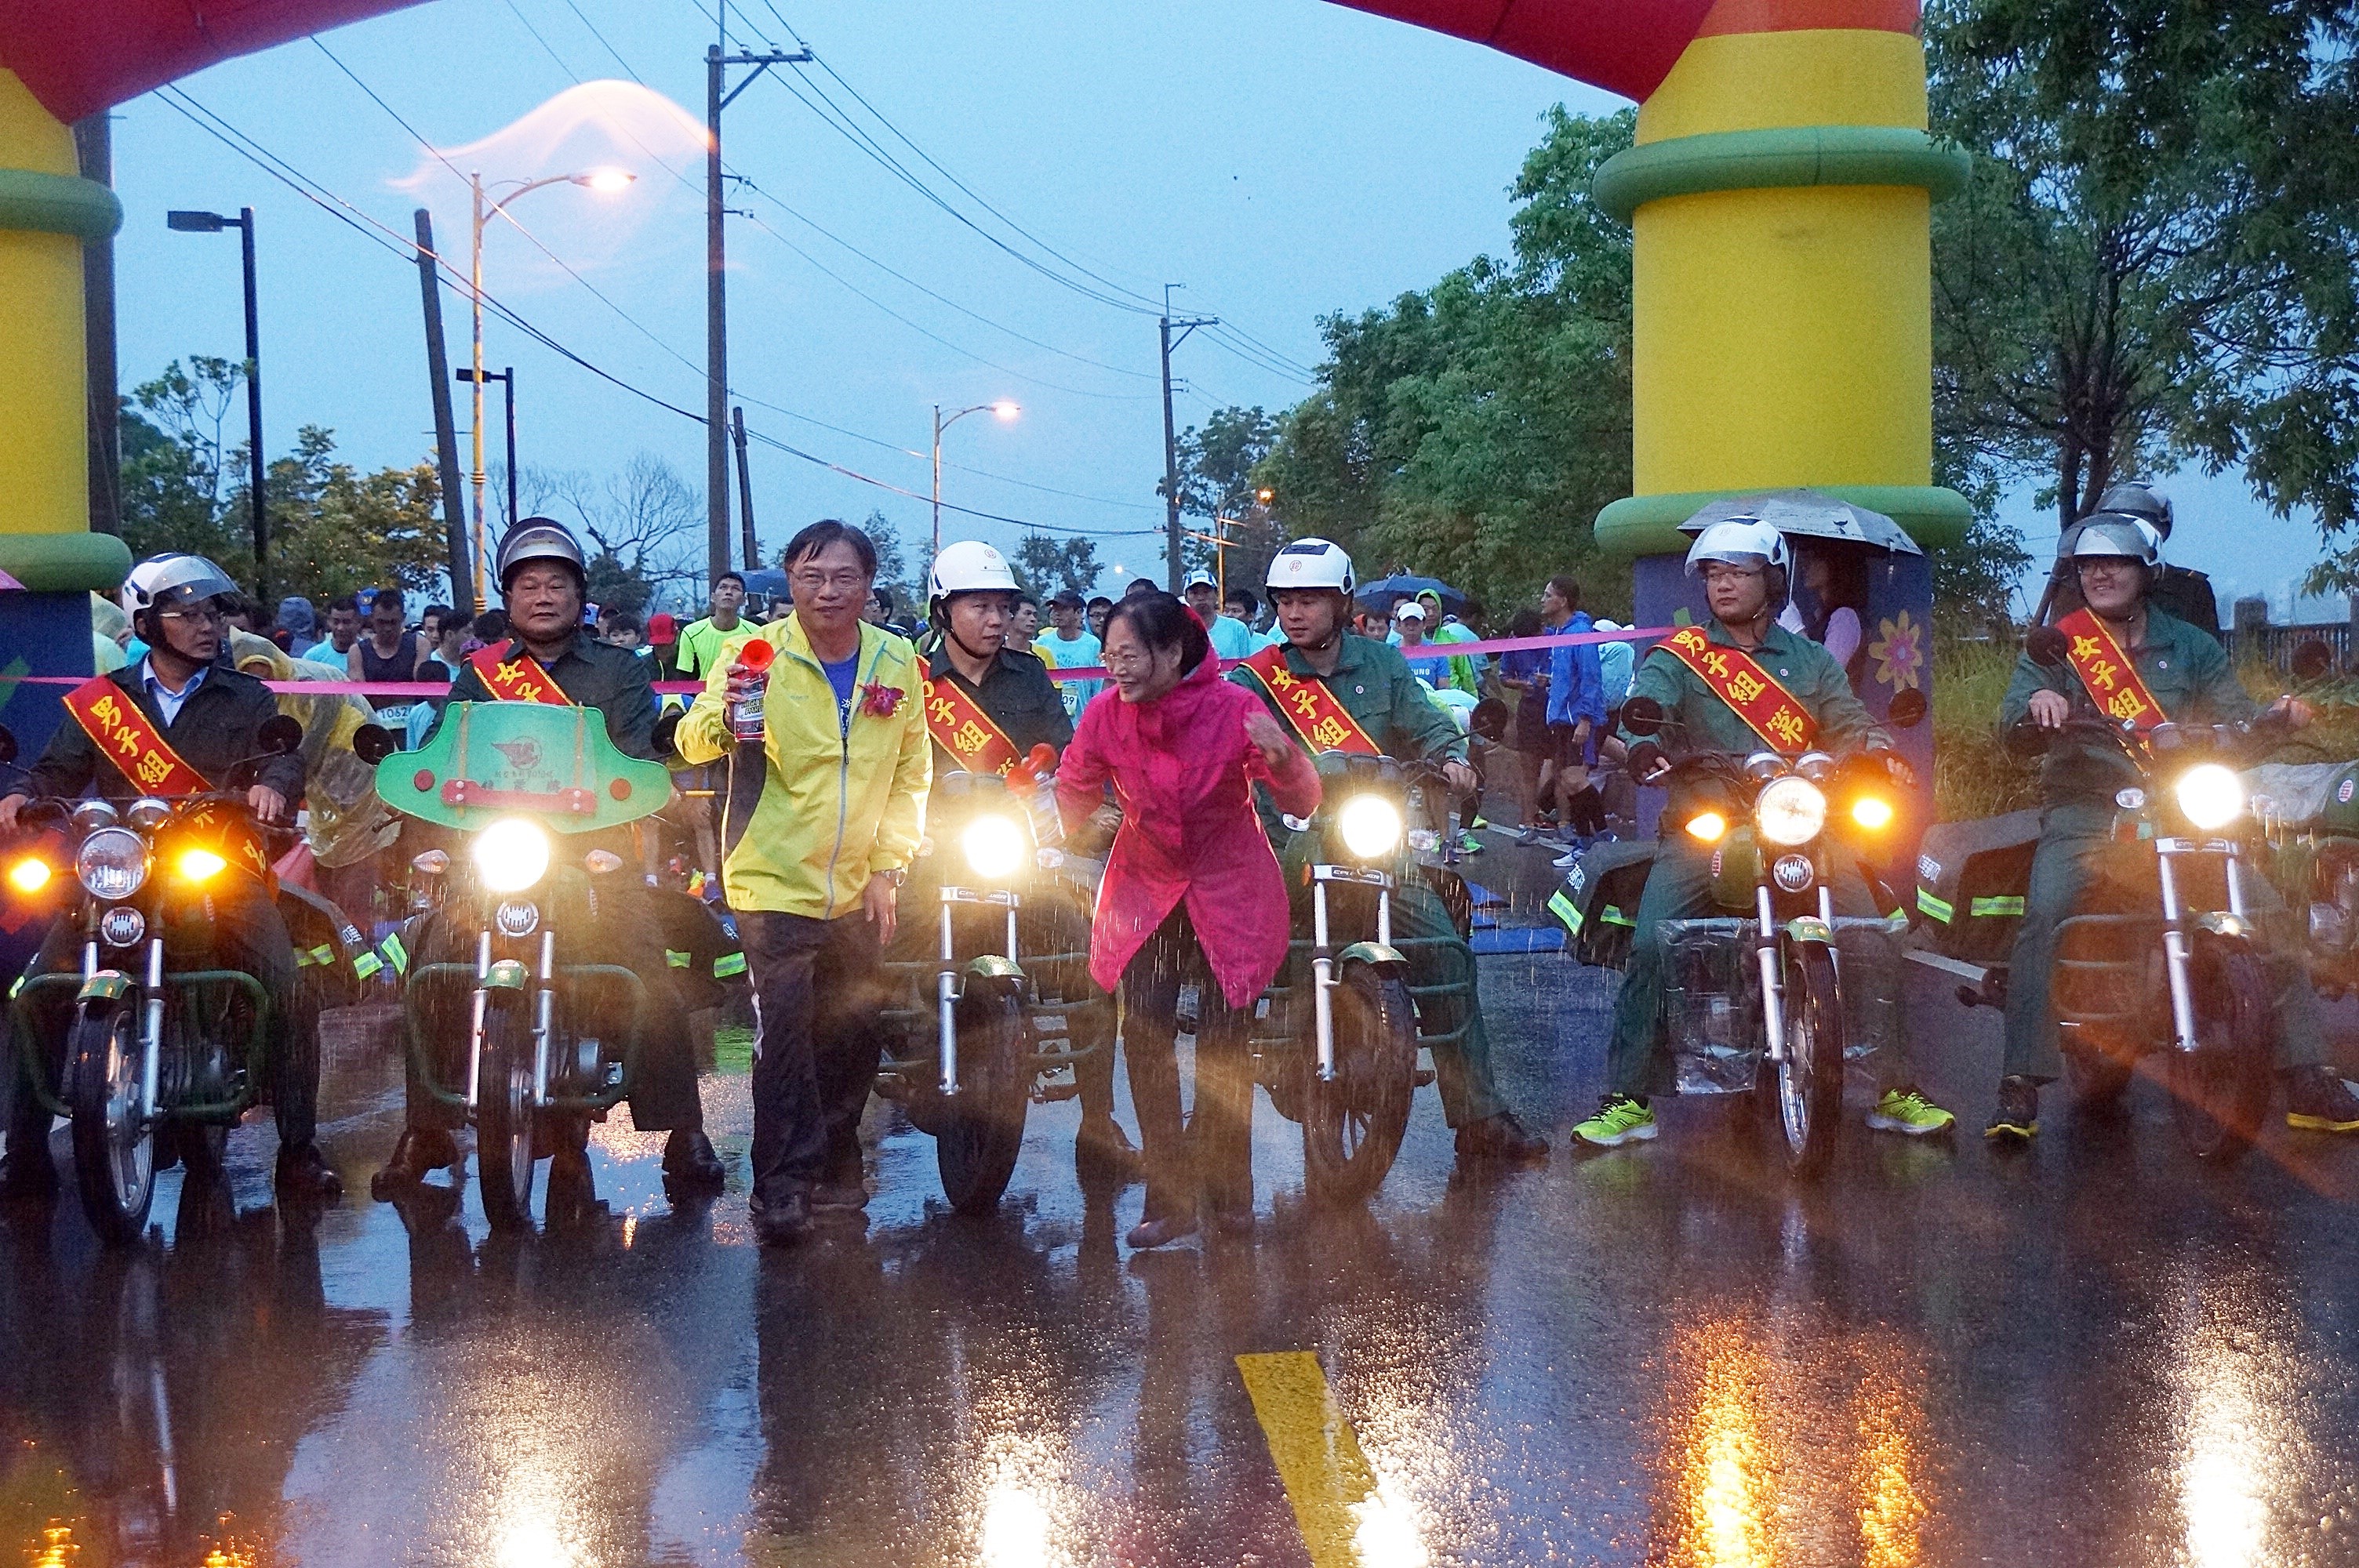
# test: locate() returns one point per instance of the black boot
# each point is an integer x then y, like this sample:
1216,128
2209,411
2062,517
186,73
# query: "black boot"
27,1173
1103,1152
418,1151
304,1172
688,1161
1500,1139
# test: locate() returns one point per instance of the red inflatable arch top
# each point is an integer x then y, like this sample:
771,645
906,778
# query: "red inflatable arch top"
80,56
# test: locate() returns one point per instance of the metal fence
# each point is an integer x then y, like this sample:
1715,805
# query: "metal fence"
2276,644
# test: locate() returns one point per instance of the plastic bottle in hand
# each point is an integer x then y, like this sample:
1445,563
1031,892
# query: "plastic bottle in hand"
750,675
1035,778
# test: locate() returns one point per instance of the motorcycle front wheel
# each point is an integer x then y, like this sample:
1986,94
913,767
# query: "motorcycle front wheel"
114,1144
504,1116
982,1127
1807,1098
1351,1126
2220,1090
2093,1079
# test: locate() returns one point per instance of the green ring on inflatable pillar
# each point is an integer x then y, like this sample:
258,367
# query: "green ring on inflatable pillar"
33,202
1777,159
65,563
1649,525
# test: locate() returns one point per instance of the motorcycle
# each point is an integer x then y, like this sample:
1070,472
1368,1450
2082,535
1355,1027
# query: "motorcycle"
990,1021
544,1053
2166,955
1758,997
165,1049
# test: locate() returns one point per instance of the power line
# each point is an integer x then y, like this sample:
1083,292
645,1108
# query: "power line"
947,506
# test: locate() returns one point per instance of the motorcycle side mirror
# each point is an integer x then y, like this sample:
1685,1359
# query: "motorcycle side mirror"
1641,716
8,746
281,736
2312,660
1908,709
2045,647
666,727
372,743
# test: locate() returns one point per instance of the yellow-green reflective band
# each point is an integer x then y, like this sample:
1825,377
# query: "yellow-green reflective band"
728,965
324,955
1996,906
1613,916
368,964
1564,909
14,985
1938,908
676,958
394,952
303,960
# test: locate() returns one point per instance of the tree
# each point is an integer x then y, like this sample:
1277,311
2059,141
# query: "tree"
1216,483
644,529
893,571
172,446
2153,262
1046,565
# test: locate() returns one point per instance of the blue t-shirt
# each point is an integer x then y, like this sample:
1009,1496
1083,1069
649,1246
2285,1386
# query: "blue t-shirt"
841,674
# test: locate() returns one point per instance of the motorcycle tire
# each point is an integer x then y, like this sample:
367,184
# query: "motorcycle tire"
982,1127
114,1151
2220,1091
1351,1126
2095,1080
505,1117
1806,1088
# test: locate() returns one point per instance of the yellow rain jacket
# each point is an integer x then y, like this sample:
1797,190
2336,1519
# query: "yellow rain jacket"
832,804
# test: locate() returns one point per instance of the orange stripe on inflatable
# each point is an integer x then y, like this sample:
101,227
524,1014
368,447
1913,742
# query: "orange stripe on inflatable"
1805,16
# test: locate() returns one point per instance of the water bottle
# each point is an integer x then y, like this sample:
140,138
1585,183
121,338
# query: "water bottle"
754,660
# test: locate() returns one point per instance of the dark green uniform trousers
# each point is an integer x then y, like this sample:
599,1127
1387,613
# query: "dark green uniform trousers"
2073,840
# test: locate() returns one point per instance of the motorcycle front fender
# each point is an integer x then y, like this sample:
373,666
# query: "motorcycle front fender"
107,985
1381,956
992,967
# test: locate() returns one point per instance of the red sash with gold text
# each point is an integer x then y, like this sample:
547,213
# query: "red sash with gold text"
511,674
2112,679
1737,679
1319,718
126,738
961,727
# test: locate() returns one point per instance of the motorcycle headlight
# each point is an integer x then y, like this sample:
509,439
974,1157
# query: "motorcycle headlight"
112,863
2211,796
1791,810
1371,825
511,855
994,845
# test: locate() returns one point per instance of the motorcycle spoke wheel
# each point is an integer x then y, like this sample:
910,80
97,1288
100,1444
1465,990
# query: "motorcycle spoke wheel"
504,1117
983,1126
1351,1126
1810,1081
114,1144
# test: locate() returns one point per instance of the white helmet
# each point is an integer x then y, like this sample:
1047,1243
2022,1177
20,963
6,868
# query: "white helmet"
2118,535
969,567
172,578
1740,542
1312,563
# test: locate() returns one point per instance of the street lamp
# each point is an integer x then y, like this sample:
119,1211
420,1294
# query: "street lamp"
1006,411
608,181
214,224
506,378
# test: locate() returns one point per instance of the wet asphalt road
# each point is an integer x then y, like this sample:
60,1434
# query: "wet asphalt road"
2089,1353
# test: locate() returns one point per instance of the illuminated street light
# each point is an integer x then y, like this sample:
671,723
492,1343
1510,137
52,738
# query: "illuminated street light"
1005,409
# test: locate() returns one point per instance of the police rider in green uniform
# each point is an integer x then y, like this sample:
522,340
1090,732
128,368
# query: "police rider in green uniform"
1745,568
2116,558
971,598
1311,584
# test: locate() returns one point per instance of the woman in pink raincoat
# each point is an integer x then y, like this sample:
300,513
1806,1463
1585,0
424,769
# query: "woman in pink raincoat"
1192,893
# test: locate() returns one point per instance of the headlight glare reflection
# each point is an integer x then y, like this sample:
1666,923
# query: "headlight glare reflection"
2211,795
994,846
511,855
1371,825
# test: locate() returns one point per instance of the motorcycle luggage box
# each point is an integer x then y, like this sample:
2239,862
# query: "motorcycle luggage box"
1598,904
1970,879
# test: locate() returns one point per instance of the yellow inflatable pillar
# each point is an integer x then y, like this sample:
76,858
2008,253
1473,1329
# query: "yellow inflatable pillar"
1780,198
47,211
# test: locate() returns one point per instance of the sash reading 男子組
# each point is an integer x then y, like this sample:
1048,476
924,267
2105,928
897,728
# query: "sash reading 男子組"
1737,679
963,730
1317,717
2108,672
125,737
511,674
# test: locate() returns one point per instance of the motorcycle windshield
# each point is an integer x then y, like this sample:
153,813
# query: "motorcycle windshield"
554,764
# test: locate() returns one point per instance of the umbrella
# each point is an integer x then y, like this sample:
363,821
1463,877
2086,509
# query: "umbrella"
1807,514
1383,593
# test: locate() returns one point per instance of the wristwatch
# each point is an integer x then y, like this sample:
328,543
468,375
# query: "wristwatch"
893,878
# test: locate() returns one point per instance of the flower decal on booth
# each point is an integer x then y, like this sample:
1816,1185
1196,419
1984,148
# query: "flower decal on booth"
1899,654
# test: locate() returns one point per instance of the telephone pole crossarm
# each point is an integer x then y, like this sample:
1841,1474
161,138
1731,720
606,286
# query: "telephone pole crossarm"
1171,441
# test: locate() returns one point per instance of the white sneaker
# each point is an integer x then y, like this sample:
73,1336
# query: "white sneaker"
1565,862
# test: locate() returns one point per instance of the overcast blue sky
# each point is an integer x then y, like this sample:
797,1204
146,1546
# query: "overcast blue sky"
1281,158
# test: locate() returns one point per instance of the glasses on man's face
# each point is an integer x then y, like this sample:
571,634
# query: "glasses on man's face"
196,615
843,582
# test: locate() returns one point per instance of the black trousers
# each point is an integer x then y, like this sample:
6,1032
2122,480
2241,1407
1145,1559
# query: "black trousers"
246,933
817,992
1222,1122
626,933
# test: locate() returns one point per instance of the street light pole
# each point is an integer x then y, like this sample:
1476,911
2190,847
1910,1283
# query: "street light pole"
1003,408
257,465
506,378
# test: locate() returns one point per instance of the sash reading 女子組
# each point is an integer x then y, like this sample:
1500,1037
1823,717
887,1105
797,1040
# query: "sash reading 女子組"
511,674
964,728
2108,672
1317,717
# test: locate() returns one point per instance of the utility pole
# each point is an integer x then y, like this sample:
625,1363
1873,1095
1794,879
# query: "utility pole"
1173,531
446,432
716,287
745,490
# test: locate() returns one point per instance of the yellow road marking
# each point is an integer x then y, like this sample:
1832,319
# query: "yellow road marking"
1335,1492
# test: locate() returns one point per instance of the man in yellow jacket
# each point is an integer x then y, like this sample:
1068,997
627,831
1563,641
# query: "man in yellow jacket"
821,818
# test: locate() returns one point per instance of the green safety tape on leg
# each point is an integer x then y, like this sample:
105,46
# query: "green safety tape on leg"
1564,909
396,953
728,965
1613,916
1938,908
676,958
368,964
2002,905
324,955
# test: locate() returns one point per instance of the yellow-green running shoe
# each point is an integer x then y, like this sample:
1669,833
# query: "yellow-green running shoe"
1619,1119
1910,1112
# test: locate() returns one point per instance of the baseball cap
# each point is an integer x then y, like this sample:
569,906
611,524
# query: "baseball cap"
1409,610
1201,579
662,628
1069,599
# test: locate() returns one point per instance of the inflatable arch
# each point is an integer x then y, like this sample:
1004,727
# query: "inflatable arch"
1778,194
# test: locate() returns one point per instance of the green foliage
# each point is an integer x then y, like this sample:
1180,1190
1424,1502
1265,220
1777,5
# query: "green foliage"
1973,775
1216,481
1045,566
1473,431
2153,262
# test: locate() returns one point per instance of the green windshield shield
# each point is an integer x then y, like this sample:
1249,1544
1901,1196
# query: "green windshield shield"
530,759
